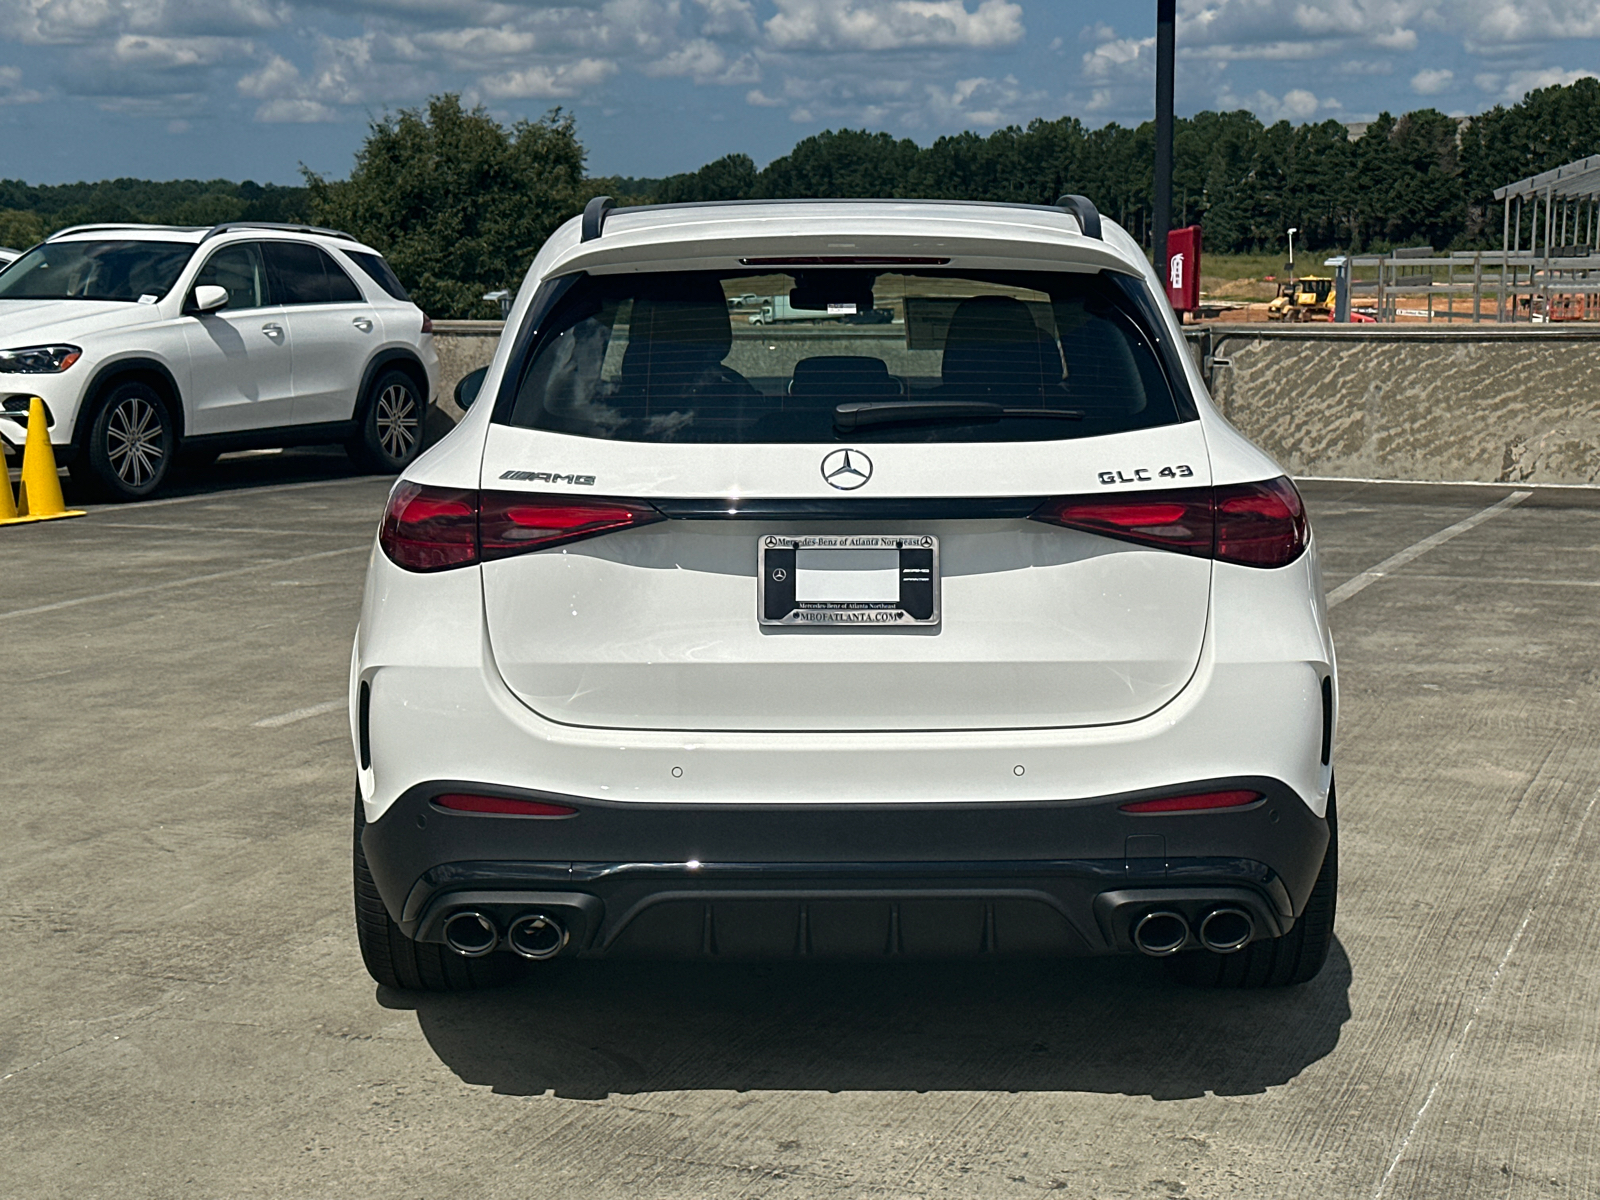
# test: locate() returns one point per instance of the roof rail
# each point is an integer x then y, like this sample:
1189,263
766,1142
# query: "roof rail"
113,225
594,216
281,227
1084,210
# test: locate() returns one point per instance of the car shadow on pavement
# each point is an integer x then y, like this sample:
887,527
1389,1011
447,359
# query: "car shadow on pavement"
587,1030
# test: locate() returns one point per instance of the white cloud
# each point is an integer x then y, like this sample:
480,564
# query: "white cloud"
1112,58
1296,105
760,99
12,91
549,83
1431,82
728,18
292,111
706,62
1511,87
893,24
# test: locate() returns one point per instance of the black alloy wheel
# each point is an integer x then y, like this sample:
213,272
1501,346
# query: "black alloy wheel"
391,424
130,444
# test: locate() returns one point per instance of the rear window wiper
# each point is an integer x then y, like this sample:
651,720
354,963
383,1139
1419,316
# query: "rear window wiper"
888,412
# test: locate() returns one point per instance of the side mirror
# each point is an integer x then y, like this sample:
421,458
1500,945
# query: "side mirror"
467,387
208,298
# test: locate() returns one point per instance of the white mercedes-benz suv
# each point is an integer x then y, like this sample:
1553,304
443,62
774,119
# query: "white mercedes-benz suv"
147,343
941,615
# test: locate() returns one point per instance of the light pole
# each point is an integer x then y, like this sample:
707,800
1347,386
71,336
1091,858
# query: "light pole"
1293,229
1166,36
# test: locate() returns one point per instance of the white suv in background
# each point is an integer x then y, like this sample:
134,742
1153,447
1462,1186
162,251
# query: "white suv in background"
147,342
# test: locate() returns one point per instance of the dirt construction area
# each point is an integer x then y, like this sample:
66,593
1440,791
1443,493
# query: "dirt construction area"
185,1013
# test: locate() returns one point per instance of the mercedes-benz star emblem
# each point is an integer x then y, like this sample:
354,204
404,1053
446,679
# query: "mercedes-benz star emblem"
846,469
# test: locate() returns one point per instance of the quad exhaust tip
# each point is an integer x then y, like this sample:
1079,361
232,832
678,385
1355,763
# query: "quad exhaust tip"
537,936
1160,933
470,934
1225,930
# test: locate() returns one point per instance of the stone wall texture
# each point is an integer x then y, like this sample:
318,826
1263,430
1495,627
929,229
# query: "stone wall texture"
1486,404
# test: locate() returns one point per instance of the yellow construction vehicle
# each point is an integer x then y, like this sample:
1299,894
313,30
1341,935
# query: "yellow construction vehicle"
1309,298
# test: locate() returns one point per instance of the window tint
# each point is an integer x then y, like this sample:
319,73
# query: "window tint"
744,357
104,270
304,274
375,267
240,270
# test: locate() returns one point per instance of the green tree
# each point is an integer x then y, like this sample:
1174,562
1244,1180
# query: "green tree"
458,203
20,229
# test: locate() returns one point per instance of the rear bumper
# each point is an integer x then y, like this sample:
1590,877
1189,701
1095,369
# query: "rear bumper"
1050,877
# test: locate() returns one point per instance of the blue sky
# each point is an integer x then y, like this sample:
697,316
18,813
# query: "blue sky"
160,89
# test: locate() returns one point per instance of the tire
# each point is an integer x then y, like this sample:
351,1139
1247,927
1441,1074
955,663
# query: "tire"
395,961
1296,957
130,444
391,424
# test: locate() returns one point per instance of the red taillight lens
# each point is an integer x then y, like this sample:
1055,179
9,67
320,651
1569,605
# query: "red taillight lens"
1252,524
427,323
1260,524
429,528
499,804
513,523
1178,520
433,529
1199,802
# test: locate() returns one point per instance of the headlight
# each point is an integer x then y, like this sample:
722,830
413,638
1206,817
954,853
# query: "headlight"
38,360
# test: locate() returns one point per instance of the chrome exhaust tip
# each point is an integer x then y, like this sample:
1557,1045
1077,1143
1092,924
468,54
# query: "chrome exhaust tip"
470,934
1225,930
537,936
1160,933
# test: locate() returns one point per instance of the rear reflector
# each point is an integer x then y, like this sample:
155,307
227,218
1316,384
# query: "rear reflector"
1250,524
499,804
1196,803
433,529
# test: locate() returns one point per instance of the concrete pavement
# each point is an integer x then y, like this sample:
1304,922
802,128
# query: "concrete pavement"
186,1014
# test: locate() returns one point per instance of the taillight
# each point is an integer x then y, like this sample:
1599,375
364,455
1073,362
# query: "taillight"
427,323
1251,524
513,523
429,528
433,529
1199,802
1178,520
1260,524
463,802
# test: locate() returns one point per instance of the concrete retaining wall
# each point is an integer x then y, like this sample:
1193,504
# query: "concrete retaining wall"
1490,404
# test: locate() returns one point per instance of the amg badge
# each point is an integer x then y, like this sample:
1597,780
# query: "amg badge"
549,477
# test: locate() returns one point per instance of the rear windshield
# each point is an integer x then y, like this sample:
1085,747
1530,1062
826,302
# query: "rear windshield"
108,270
842,354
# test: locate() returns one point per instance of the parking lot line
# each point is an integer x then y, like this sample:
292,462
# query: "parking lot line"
1556,865
1371,575
122,593
298,714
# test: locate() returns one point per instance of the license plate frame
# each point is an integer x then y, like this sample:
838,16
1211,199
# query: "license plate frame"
918,602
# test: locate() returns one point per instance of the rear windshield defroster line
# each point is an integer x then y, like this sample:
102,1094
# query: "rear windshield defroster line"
752,356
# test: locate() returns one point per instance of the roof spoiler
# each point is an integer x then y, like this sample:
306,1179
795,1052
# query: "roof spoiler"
1079,207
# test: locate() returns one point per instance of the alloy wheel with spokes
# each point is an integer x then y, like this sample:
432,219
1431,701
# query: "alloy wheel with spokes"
130,444
397,421
136,441
391,424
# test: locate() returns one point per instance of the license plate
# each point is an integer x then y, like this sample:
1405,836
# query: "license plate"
849,579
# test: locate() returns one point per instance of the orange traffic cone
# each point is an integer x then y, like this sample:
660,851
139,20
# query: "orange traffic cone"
40,494
8,506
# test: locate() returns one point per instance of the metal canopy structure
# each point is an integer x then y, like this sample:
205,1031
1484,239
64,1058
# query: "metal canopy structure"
1570,195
